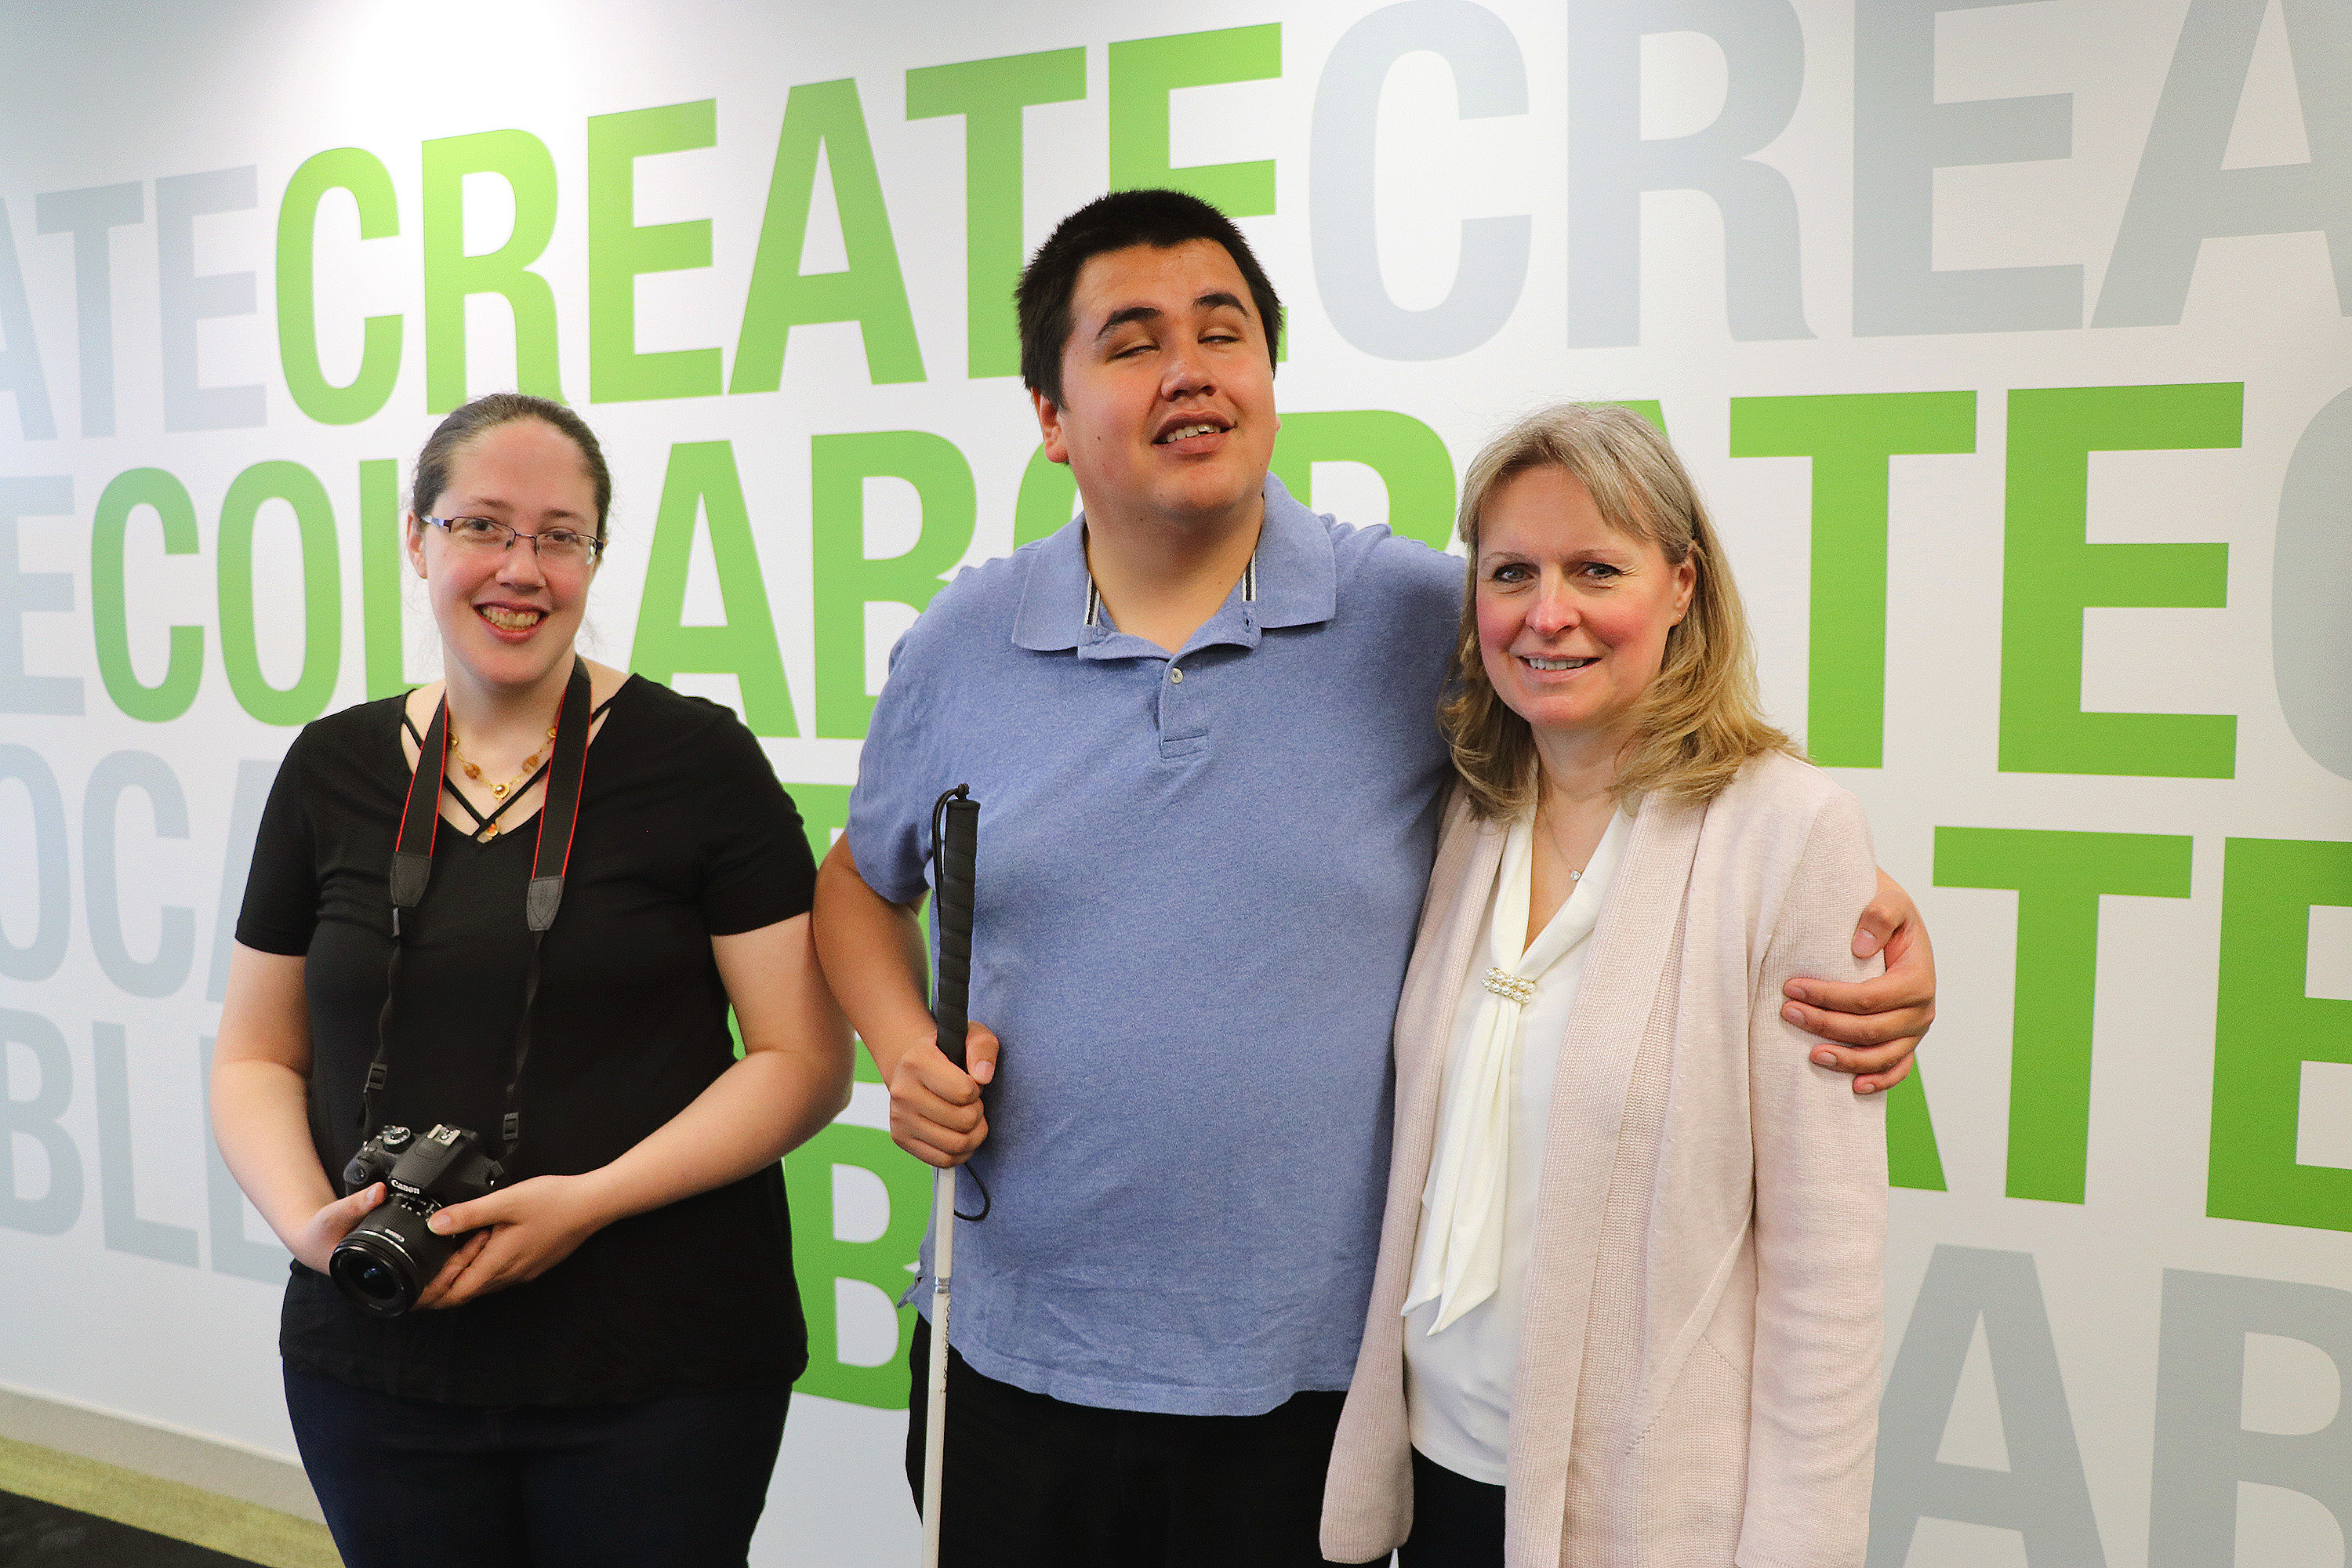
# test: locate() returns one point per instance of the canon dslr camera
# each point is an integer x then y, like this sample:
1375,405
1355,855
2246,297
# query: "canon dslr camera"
389,1257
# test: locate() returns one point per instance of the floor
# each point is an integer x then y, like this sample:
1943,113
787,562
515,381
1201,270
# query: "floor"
35,1534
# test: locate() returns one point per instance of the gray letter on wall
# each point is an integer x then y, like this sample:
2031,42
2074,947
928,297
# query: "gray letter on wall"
118,1193
186,298
1901,137
2042,1494
1489,79
225,1203
2182,195
253,781
2310,583
1609,164
20,355
23,593
35,1117
2201,1451
53,891
175,944
90,216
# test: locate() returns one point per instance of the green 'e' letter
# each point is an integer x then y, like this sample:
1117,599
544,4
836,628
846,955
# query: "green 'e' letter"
2051,575
619,251
2266,1027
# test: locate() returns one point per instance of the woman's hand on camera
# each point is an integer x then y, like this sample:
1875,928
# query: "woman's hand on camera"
522,1232
314,1244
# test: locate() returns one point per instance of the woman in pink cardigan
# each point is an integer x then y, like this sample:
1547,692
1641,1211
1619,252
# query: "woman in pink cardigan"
1627,1306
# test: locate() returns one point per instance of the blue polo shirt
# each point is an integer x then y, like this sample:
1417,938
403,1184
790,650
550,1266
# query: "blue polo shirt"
1198,877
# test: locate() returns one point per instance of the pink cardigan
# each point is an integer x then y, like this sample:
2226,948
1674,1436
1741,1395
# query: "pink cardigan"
1698,1366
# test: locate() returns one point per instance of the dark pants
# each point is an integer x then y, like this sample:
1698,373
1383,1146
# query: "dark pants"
1456,1522
673,1482
1034,1482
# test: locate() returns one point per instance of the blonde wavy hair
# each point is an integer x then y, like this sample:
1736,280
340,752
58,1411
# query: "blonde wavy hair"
1700,720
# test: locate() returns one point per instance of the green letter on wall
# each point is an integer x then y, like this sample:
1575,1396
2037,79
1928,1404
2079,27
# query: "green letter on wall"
2059,878
2050,574
823,117
322,594
1144,71
1047,501
109,620
619,251
520,160
382,559
821,1261
1850,436
364,174
702,481
2265,1029
1410,457
990,95
847,581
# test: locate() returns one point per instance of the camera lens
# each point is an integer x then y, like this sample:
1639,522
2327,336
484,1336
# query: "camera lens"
388,1258
373,1280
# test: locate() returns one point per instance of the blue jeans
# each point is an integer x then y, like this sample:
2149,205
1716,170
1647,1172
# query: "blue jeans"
673,1482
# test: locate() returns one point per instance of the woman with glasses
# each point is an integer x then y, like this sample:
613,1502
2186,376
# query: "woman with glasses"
598,1371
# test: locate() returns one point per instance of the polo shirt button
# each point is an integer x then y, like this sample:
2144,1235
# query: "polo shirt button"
1176,675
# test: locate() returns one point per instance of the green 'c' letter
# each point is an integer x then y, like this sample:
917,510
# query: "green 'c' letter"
619,251
2266,1027
702,481
847,581
2051,575
364,174
1850,436
170,697
823,117
990,95
522,159
2059,878
1410,457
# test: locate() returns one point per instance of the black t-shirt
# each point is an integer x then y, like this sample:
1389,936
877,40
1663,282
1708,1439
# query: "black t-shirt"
684,834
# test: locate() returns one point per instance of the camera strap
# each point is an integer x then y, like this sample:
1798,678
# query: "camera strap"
411,869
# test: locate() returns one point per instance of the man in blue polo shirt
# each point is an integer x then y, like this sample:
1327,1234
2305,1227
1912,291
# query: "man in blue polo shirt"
1201,722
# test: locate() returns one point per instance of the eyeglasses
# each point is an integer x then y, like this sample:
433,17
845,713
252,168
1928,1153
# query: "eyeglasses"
486,536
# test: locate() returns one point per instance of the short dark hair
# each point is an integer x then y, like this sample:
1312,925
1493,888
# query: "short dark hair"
1161,219
486,414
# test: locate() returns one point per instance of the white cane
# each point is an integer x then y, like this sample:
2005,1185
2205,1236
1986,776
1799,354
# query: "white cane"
954,839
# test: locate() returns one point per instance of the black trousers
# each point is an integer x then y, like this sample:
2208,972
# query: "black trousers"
673,1482
1036,1482
1456,1522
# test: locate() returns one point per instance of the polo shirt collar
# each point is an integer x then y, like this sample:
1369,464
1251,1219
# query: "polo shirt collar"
1292,581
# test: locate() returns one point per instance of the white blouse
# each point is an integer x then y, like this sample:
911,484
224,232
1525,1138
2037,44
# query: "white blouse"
1478,1211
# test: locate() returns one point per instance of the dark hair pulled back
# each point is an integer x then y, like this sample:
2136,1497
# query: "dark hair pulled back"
485,415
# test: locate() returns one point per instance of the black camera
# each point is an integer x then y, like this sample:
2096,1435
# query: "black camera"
389,1257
